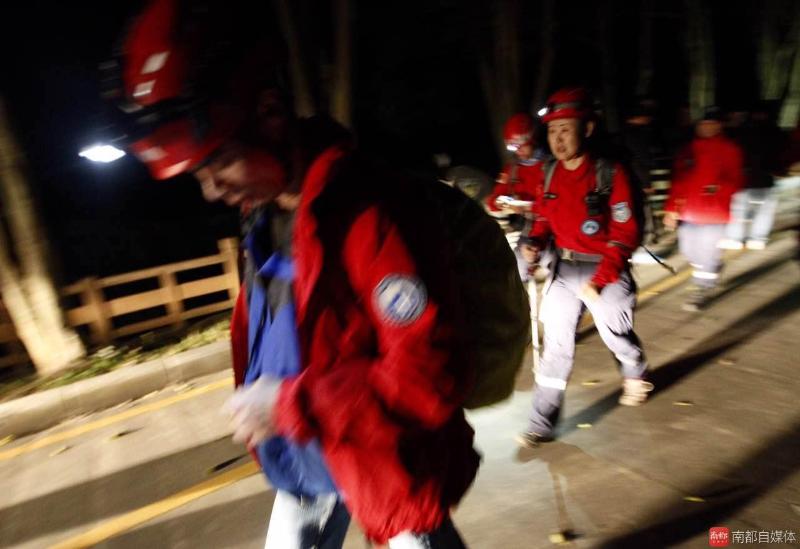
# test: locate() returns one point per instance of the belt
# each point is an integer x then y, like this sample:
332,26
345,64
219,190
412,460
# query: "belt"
571,255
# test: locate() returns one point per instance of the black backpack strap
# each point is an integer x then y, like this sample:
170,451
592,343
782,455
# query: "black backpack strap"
604,177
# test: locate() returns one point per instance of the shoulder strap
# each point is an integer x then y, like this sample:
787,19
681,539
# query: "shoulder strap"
549,170
604,176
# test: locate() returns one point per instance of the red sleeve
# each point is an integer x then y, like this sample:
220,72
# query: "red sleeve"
540,229
361,398
501,188
239,330
678,187
239,347
624,234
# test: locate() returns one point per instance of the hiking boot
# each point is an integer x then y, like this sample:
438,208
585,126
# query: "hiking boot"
635,392
697,300
730,244
529,439
756,244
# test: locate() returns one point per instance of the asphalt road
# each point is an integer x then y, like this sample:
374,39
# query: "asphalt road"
718,445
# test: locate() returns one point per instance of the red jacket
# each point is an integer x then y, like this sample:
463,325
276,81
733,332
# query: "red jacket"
562,213
380,392
523,187
706,174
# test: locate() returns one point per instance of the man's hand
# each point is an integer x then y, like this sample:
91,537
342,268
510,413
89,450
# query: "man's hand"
250,409
530,253
590,292
671,220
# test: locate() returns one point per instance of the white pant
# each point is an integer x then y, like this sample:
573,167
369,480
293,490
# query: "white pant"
752,214
698,243
561,312
322,522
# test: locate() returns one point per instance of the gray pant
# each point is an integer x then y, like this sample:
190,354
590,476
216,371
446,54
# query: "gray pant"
561,312
698,243
753,207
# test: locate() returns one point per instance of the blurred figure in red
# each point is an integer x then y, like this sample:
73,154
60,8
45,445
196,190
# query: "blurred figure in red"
517,182
587,211
351,385
706,175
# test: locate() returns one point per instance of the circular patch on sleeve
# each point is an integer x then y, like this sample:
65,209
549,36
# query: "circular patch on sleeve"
590,227
621,212
400,299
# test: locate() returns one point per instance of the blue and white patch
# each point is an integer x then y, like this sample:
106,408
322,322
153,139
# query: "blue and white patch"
400,299
620,212
590,227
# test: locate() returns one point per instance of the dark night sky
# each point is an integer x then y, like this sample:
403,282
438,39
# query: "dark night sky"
417,92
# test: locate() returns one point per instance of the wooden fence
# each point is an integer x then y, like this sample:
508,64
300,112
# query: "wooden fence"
103,303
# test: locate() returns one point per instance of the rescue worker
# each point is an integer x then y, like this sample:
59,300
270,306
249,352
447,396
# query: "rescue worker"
594,230
753,207
520,177
347,363
516,186
706,174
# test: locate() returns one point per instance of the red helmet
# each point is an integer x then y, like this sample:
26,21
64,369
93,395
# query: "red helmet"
518,131
568,103
186,86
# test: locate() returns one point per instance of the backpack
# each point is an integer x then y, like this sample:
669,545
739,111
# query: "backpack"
464,260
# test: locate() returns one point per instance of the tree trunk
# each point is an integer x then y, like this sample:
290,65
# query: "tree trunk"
27,289
790,110
501,77
605,19
341,94
298,73
546,55
700,42
644,86
768,52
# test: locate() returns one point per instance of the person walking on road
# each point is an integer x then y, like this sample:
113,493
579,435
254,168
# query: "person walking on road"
753,208
351,384
518,181
587,211
707,173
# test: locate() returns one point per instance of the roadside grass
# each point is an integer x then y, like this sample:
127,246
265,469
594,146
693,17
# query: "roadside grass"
144,348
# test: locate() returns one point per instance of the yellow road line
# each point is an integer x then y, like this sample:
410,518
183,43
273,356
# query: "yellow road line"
123,523
667,284
105,422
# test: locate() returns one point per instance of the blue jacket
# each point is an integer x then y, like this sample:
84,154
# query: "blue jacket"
274,351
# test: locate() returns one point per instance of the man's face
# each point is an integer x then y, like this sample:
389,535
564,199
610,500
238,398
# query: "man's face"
239,174
565,138
708,128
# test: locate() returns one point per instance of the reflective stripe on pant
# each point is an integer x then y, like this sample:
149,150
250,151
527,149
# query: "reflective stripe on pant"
322,523
560,314
698,243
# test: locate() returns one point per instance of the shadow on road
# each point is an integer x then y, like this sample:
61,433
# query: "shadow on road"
757,474
112,494
698,356
231,524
